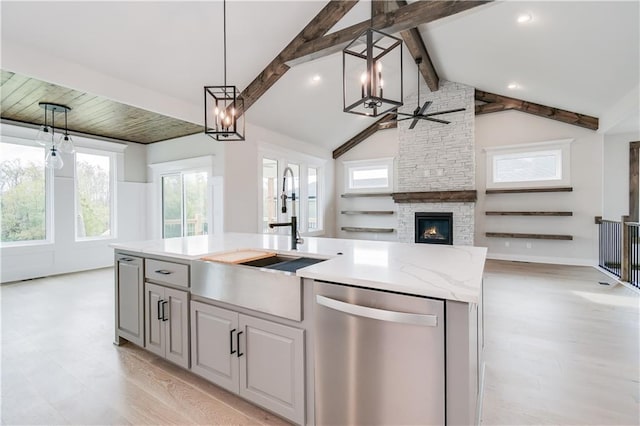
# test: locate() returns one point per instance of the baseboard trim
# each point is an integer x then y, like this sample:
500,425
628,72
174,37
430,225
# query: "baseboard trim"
569,261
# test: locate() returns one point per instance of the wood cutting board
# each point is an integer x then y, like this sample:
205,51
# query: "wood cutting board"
238,256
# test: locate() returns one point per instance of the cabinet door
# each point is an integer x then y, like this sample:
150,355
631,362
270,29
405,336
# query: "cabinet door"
129,299
176,320
214,344
154,326
272,367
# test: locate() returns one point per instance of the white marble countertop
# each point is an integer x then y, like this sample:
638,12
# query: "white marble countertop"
439,271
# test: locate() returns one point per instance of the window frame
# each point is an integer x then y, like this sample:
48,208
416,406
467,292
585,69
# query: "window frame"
113,177
48,191
194,164
285,158
355,165
561,146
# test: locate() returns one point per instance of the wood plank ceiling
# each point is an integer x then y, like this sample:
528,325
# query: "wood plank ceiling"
90,114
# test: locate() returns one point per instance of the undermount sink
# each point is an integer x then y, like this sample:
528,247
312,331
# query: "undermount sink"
283,263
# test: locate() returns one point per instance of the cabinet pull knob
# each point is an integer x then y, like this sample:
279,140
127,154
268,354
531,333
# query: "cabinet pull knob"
163,272
238,343
231,350
159,308
164,303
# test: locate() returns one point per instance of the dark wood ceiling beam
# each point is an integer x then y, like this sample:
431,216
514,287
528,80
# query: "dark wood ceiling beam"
495,103
384,122
401,19
319,25
415,44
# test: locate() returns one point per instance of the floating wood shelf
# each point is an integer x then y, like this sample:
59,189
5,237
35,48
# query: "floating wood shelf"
529,236
435,197
374,212
529,213
376,230
528,190
366,194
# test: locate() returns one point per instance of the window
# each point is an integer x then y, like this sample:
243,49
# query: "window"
184,204
306,183
369,175
269,192
94,194
529,165
24,190
312,198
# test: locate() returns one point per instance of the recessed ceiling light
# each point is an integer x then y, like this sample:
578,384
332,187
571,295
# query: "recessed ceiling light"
513,86
316,78
524,18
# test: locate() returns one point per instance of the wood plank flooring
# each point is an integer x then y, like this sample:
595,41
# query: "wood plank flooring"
560,349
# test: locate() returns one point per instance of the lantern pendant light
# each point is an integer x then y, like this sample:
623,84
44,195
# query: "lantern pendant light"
223,107
372,74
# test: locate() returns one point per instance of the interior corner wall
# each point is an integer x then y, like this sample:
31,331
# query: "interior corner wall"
382,144
615,194
585,201
64,254
242,180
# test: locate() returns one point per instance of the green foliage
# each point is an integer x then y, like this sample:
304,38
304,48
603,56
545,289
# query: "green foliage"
23,201
94,200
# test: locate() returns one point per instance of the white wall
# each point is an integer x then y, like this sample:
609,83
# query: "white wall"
236,163
615,196
382,144
512,128
64,254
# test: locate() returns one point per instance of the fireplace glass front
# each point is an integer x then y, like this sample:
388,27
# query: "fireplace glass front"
434,228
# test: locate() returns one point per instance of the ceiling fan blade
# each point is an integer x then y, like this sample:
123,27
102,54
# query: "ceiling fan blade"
436,120
404,113
424,107
406,118
413,123
443,112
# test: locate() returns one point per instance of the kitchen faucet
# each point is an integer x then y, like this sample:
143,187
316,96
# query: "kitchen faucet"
295,238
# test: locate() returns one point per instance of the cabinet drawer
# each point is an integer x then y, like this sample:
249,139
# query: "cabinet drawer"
167,272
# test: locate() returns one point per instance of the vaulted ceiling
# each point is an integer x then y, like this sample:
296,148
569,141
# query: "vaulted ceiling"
157,56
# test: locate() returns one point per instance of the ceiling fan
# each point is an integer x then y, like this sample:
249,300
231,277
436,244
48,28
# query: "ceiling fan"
419,112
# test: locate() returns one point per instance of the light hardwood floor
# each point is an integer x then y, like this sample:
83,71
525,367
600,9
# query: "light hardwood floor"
560,349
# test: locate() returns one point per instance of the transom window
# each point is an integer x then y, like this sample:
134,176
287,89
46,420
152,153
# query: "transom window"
369,175
529,165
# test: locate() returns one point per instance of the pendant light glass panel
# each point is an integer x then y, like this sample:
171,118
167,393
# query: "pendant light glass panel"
224,113
53,160
43,137
65,145
372,74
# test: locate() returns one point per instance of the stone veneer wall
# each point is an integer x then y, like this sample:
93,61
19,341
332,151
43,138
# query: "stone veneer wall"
438,157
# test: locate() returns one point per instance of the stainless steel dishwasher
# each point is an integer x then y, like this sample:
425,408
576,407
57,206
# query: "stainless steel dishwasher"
380,357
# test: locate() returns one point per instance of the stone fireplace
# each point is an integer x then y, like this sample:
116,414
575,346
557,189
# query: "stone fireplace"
433,228
438,158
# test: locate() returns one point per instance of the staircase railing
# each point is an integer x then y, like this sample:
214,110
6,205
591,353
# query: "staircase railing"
633,253
610,246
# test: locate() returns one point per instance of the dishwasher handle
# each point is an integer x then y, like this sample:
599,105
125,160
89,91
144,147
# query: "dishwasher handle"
378,314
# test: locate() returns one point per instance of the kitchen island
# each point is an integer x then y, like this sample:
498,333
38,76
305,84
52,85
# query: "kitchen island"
167,304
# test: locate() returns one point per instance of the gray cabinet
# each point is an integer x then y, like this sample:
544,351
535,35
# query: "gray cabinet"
129,299
261,360
166,323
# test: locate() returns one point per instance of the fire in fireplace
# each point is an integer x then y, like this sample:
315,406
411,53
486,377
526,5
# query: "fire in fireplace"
434,228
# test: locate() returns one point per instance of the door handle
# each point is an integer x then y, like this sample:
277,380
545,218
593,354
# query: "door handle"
238,343
378,314
164,303
160,308
231,350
